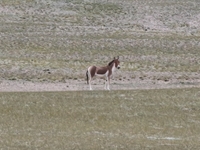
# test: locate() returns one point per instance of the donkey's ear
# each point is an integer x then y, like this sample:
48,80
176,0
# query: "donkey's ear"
114,58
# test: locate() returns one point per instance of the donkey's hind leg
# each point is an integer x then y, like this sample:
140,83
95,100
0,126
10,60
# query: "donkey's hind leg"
89,79
90,84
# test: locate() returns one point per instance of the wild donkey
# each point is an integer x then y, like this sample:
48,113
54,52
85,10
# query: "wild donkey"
106,72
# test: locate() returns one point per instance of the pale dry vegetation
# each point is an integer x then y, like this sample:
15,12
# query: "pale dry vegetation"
135,120
56,40
65,37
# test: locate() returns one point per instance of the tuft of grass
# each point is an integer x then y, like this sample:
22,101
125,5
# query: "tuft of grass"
140,119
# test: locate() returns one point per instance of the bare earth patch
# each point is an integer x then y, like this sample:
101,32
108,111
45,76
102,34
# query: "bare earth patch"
97,84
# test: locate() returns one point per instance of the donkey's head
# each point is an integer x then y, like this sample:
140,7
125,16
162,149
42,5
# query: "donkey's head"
116,62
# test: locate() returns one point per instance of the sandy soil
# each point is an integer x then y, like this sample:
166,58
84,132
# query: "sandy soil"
97,84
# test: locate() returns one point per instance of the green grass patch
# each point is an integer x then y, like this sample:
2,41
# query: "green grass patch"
138,119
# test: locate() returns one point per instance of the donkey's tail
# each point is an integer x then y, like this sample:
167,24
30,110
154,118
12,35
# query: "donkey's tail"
87,76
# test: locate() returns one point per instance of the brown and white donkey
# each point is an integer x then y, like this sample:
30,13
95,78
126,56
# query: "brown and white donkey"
106,72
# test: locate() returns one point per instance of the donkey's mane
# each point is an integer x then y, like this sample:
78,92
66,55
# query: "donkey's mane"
110,63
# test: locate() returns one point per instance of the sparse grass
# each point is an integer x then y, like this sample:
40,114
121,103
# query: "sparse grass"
72,35
16,2
140,119
57,40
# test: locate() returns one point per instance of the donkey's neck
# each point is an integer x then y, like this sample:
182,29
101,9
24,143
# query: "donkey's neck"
112,67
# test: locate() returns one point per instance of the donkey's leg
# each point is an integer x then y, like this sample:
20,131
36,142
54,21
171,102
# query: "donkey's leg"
89,79
105,87
108,83
90,84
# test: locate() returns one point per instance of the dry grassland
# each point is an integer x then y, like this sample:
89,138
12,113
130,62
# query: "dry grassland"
135,120
54,41
57,40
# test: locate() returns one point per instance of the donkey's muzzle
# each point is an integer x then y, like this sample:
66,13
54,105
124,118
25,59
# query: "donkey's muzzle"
118,67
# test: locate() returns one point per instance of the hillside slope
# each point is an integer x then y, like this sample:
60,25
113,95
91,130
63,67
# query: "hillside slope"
56,40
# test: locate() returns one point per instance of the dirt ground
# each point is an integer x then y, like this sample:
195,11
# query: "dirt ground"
97,84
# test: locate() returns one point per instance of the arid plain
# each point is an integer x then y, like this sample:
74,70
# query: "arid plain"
55,41
46,47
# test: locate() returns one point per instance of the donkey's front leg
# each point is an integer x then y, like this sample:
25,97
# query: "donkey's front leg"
108,83
105,87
